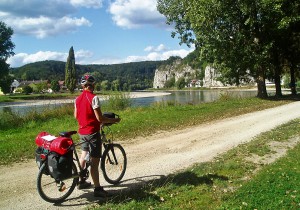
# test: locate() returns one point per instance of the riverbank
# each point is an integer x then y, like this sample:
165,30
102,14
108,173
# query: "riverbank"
142,94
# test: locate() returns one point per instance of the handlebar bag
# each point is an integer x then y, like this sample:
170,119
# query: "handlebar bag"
60,166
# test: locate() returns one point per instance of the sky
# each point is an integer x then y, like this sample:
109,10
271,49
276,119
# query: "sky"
100,31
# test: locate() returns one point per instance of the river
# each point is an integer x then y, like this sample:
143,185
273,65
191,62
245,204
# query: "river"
138,99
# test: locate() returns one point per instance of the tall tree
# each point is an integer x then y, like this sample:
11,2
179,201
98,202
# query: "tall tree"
70,73
6,50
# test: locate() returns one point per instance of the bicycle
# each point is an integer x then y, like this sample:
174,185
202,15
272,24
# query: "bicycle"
113,164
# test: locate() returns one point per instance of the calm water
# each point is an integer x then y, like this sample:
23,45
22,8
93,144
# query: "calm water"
182,97
192,97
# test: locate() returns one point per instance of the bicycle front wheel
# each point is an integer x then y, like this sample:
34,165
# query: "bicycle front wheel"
55,191
113,163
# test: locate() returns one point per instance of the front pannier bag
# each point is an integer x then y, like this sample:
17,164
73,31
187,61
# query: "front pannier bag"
60,166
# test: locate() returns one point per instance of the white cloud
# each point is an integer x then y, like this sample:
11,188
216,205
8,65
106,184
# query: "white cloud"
156,56
42,26
44,18
21,59
159,48
87,3
136,13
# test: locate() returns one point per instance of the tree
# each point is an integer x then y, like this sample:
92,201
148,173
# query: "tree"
70,72
237,36
116,85
105,85
180,83
5,84
27,89
55,86
170,82
6,50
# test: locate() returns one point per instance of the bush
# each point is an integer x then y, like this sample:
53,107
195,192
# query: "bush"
119,101
180,84
27,90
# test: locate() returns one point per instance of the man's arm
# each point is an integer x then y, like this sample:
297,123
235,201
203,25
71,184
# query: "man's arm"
104,120
75,112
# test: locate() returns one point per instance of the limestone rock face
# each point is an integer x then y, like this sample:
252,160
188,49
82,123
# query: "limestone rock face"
176,70
210,78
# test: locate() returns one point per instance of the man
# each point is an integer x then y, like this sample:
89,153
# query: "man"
89,116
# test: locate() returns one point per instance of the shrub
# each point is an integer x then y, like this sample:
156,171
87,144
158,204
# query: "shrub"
27,89
119,101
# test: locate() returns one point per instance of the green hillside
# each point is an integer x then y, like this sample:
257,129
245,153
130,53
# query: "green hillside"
137,75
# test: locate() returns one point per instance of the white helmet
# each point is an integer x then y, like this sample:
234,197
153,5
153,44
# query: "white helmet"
87,80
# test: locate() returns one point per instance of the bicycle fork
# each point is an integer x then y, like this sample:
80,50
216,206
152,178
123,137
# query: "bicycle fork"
114,161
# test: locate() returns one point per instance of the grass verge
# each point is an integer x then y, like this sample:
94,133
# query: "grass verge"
230,181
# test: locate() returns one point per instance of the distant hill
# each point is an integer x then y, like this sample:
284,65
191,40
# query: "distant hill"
139,75
135,75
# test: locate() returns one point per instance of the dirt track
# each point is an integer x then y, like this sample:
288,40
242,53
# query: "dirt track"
150,158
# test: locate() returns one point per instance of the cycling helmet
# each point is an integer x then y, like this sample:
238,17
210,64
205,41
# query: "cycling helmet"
87,80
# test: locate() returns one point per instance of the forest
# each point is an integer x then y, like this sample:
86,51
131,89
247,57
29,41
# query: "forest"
135,75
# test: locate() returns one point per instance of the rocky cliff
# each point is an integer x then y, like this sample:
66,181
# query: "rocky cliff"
177,70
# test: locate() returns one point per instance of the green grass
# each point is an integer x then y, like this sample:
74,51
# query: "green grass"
228,182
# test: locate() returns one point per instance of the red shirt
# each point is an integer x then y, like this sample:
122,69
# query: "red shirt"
86,117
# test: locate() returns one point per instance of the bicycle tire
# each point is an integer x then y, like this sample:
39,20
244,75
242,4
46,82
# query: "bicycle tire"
49,189
113,163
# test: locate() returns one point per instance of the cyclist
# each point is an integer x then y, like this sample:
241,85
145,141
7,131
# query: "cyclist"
88,113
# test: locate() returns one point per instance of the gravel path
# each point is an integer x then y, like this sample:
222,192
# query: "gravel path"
152,157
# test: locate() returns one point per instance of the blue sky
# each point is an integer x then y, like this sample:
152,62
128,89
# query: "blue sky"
100,31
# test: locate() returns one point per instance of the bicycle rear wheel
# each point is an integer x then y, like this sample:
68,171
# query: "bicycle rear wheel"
113,163
55,191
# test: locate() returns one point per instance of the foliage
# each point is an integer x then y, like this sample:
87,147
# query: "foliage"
6,50
180,83
70,75
5,83
136,75
170,83
105,85
241,38
27,89
55,86
52,70
119,101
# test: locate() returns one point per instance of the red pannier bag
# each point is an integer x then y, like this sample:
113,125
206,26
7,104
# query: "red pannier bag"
60,145
40,142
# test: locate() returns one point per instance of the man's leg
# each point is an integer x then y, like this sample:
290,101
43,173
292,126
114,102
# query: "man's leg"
95,171
83,184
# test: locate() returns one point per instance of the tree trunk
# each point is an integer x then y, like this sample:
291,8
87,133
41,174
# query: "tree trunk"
261,84
293,80
277,74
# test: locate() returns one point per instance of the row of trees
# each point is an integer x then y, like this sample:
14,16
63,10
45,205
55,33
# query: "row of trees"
258,38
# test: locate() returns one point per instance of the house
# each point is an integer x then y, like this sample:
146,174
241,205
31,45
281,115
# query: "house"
14,85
